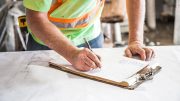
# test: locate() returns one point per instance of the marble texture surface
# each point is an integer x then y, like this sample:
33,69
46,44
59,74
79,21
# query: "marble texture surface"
25,76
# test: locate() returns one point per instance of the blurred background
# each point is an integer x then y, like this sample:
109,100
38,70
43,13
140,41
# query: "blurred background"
162,24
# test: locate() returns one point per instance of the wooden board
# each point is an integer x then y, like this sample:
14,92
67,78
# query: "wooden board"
114,11
122,84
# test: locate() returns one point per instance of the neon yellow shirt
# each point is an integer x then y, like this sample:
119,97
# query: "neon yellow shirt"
69,9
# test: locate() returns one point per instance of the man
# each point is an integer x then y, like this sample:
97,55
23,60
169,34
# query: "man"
55,22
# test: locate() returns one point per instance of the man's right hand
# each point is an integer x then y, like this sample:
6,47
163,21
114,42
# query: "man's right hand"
39,23
84,60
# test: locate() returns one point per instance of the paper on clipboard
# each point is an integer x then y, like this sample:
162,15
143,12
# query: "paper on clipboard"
115,67
117,70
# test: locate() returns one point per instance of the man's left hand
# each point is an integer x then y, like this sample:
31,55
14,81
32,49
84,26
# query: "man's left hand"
136,48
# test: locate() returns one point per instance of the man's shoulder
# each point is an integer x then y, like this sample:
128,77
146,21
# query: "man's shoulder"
38,5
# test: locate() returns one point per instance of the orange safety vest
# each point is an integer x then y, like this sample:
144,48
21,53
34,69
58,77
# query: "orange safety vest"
79,22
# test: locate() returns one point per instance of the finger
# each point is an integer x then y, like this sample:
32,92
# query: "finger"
99,57
94,58
128,53
85,68
148,53
142,53
153,54
89,62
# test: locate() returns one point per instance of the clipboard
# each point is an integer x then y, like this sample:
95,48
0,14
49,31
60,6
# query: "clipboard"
132,82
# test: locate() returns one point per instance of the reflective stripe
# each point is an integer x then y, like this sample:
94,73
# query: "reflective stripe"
71,25
54,6
79,22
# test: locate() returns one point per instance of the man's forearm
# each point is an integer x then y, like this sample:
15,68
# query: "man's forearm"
42,28
136,14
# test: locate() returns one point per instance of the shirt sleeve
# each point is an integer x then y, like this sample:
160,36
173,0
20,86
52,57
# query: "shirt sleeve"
38,5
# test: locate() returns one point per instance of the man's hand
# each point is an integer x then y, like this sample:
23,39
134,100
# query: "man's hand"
84,60
136,48
136,15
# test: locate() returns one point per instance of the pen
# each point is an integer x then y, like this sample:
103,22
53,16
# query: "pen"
89,47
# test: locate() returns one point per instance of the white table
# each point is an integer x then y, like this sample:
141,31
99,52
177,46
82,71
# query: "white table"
25,77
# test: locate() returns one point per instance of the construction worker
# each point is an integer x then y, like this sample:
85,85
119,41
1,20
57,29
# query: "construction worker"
62,26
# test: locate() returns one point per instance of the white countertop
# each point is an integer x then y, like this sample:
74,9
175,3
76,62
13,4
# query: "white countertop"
24,76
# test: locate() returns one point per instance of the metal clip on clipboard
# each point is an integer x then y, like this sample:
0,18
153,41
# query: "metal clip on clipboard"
145,74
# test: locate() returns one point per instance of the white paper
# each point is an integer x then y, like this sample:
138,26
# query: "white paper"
115,66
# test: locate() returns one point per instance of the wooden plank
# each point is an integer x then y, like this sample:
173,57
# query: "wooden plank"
81,74
114,11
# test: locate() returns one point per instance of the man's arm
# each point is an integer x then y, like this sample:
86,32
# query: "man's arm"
136,15
43,29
